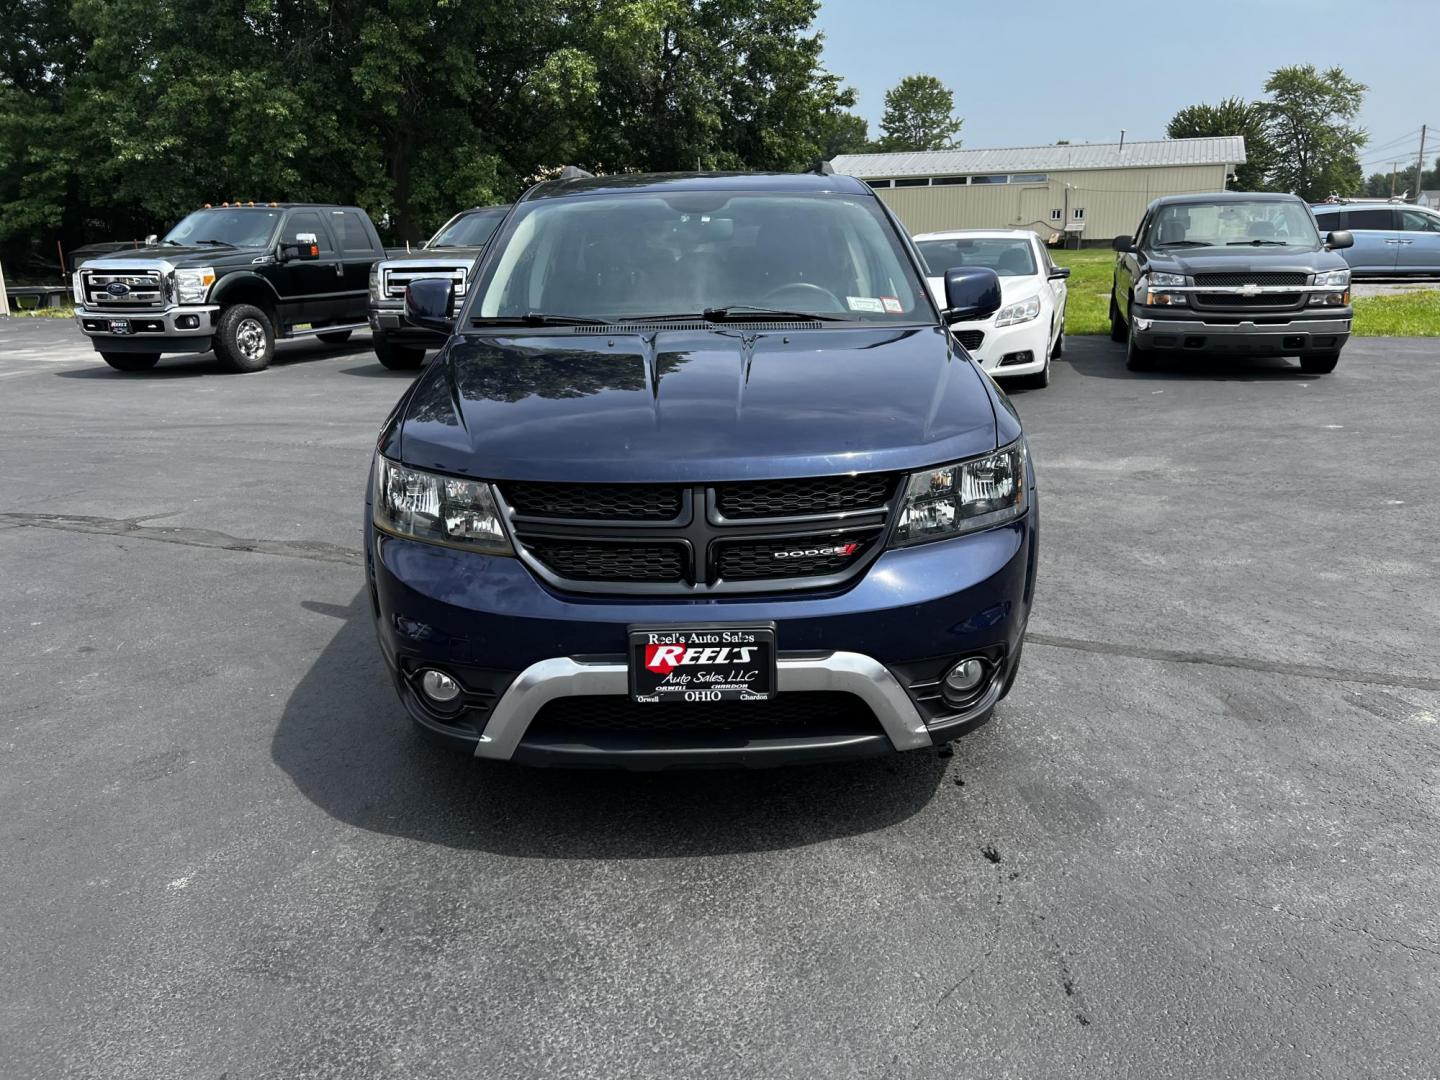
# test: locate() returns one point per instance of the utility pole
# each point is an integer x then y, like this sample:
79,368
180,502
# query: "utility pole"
1420,165
1394,165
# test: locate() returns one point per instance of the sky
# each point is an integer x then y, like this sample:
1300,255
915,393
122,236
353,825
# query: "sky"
1029,72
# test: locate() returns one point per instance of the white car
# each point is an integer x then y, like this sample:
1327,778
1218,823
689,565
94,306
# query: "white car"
1020,339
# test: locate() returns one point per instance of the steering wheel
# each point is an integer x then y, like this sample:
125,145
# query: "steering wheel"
807,289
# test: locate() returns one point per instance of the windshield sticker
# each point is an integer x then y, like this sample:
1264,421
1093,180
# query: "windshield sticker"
892,305
865,303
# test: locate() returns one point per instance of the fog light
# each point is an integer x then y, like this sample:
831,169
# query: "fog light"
439,687
187,322
963,680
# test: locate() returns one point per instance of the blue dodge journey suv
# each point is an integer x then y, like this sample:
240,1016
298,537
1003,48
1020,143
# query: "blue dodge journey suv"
701,477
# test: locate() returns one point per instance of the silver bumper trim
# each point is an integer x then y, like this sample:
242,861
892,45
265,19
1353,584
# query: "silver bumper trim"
168,316
1247,328
847,672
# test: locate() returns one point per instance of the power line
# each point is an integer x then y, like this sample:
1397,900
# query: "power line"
1375,147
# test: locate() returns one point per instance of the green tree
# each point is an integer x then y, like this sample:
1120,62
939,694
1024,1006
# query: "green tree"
1309,116
1232,116
919,115
844,133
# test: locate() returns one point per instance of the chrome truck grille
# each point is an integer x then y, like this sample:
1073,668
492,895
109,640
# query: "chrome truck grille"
395,277
123,290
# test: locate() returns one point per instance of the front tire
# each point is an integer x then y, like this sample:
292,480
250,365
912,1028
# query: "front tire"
131,361
335,337
1118,330
1039,381
398,357
1137,358
1319,363
244,339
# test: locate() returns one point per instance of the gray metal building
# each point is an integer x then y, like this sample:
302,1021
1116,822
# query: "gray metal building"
1098,189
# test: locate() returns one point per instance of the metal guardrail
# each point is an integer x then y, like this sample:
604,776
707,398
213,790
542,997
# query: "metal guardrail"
31,297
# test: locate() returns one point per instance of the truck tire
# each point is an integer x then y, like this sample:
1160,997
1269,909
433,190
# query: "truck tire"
244,339
1118,332
398,357
131,361
1319,363
1136,358
335,337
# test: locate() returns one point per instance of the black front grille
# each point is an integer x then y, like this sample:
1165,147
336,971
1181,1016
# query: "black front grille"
745,536
801,557
600,502
812,495
971,339
1236,300
598,560
1269,277
816,713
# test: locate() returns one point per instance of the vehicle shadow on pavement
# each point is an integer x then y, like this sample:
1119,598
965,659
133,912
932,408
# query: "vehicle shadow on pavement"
350,749
1098,357
188,365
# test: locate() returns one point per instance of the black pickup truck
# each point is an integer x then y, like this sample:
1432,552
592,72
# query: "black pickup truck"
232,278
1232,273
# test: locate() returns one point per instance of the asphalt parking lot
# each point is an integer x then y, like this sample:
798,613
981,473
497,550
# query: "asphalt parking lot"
1199,839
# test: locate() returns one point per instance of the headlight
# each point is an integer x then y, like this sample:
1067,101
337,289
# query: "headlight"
437,509
1157,279
1335,278
193,286
77,290
1018,312
963,498
375,296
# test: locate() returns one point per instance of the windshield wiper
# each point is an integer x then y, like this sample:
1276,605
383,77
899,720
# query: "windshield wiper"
1257,243
539,318
748,313
1184,243
222,243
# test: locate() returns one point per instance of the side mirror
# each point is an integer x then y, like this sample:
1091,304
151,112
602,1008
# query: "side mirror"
971,292
428,303
1340,238
1059,273
1123,243
152,240
304,248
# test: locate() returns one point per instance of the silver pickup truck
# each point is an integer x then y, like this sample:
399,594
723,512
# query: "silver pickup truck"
449,254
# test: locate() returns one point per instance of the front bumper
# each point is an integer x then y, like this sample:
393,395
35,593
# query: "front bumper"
389,319
997,353
515,645
1283,334
169,330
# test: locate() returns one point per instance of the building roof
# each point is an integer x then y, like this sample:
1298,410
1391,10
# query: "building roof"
1221,150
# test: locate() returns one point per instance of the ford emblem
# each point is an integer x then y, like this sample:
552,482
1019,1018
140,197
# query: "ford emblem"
117,288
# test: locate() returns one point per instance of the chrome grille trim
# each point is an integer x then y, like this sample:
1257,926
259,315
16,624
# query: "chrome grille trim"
394,277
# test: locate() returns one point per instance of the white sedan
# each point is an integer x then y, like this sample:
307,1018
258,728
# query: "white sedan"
1020,339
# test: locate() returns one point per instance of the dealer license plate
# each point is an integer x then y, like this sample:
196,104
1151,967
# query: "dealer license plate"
120,326
702,664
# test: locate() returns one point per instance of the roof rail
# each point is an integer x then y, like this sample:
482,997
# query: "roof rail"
574,172
822,168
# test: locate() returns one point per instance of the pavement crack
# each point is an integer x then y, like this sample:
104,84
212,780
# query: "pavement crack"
1346,928
313,550
1244,663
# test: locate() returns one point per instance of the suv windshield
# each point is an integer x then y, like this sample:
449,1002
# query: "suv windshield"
1226,224
1007,257
238,227
683,253
470,229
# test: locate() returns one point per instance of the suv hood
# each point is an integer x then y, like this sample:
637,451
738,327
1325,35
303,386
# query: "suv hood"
1238,260
691,406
